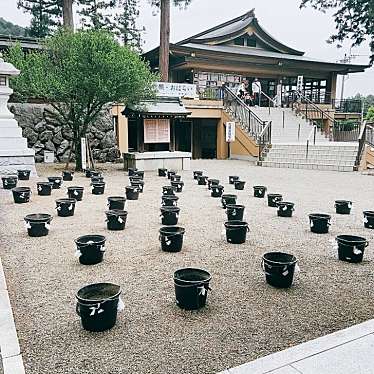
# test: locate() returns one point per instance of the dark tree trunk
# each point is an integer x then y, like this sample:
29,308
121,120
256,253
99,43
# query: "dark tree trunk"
67,12
164,40
78,153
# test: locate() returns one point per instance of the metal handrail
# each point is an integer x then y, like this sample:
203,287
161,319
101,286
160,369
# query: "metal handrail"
361,145
265,128
270,100
265,138
237,98
313,131
314,106
248,120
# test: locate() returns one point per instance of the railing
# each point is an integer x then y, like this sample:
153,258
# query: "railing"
248,120
212,93
366,137
346,131
369,134
314,98
267,99
347,106
264,140
313,133
309,109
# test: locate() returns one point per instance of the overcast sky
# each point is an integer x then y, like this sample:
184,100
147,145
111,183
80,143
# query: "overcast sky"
305,29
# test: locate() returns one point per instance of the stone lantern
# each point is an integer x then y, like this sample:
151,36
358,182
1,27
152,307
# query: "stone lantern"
14,154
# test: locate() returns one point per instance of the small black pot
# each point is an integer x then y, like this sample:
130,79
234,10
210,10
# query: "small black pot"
98,188
75,192
9,182
67,175
23,175
162,172
233,178
21,195
56,182
285,209
44,188
177,186
239,185
65,207
116,219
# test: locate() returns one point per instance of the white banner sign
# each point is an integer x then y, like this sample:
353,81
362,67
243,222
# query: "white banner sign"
83,152
176,89
156,131
300,83
230,132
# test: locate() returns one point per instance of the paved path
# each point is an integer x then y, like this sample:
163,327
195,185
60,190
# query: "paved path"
348,351
244,318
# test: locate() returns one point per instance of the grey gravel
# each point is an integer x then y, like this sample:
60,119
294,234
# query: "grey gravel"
244,318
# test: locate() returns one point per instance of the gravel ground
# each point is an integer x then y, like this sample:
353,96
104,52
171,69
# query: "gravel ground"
244,317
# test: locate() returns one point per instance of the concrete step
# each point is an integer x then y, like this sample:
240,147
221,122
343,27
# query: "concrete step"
312,160
307,165
320,147
322,153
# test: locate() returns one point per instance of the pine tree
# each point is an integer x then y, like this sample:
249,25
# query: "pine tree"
126,27
46,16
97,14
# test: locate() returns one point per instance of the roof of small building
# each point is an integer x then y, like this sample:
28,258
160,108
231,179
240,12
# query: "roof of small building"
161,107
27,43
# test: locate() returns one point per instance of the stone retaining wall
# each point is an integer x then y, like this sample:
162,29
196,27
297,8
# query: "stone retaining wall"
44,134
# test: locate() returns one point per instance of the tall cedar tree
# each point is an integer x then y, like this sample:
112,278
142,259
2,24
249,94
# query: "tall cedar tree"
67,14
126,28
97,14
164,51
46,15
354,20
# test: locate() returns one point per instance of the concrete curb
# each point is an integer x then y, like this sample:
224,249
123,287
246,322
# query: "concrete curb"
9,345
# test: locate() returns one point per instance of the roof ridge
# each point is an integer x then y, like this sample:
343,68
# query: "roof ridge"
249,14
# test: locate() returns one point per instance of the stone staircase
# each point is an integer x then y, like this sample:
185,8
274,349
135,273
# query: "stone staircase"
289,150
330,156
290,132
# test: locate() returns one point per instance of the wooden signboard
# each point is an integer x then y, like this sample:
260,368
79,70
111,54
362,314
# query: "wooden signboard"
156,131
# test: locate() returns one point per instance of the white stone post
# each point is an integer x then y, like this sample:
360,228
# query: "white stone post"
14,154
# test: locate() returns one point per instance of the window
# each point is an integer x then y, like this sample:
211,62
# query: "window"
246,41
2,81
251,41
239,41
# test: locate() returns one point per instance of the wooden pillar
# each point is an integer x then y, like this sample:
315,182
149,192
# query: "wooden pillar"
331,85
172,136
164,40
222,149
196,150
140,134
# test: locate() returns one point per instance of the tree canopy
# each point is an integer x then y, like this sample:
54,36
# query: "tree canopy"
45,16
116,16
78,74
354,20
